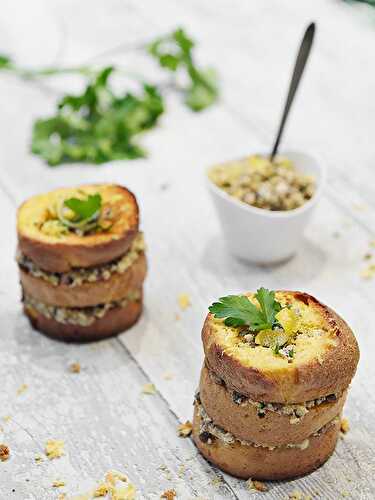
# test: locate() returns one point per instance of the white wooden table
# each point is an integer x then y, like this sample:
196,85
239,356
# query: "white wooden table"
100,413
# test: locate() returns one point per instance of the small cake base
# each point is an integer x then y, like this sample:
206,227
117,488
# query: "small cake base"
247,461
115,321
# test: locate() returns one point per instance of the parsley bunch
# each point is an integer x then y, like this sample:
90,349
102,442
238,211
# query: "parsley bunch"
239,311
175,53
99,125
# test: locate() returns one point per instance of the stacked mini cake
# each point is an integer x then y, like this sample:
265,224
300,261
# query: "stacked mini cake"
82,262
275,378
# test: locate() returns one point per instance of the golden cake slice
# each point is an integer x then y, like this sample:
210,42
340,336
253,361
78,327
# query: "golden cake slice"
52,237
309,352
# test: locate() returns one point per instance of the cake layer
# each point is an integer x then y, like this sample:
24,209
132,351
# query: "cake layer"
245,460
319,358
113,286
87,324
54,247
272,423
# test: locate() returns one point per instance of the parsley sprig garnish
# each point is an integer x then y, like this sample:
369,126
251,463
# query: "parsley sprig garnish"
238,310
101,125
85,210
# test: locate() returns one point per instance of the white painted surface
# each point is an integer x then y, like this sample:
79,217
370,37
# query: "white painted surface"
100,413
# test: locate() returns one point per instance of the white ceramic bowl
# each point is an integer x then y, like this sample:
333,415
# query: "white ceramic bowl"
262,236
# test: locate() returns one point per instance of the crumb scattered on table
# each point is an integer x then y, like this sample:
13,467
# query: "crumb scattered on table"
184,430
184,301
7,418
22,389
168,376
54,448
169,494
344,425
253,484
299,495
149,389
101,490
4,452
75,368
368,272
58,483
216,482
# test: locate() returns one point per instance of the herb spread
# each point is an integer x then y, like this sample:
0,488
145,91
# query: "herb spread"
209,431
295,411
255,180
83,316
261,321
82,275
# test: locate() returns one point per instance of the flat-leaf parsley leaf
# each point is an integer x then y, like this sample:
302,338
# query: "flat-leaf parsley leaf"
238,310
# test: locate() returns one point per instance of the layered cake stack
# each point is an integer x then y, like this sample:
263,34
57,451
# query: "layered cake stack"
82,262
273,385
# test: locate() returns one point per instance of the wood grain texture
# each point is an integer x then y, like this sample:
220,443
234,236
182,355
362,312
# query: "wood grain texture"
100,412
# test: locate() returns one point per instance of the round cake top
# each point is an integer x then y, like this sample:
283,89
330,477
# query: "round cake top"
77,227
279,347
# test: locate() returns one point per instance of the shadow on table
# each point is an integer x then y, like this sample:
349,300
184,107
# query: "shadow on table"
304,267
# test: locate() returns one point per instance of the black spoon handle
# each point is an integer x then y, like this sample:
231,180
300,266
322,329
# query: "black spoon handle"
299,66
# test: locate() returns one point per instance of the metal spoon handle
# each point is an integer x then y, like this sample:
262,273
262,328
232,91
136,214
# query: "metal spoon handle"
299,66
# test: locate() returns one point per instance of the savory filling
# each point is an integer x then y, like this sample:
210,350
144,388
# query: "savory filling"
83,316
295,411
256,181
255,328
81,214
82,275
209,431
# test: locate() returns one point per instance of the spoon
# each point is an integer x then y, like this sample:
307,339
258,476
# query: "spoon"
299,66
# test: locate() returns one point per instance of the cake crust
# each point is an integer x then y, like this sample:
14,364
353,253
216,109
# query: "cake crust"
323,364
63,252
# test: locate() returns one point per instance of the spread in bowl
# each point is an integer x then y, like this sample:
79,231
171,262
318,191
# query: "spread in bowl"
278,185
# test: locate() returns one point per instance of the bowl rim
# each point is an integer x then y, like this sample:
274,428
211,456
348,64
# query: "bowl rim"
273,214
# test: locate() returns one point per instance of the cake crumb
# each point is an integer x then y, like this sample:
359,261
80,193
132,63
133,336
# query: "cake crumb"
181,470
4,452
253,484
62,496
368,272
184,301
75,368
149,389
344,425
54,448
168,376
7,418
169,494
216,482
22,389
38,458
58,483
101,490
184,430
298,495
